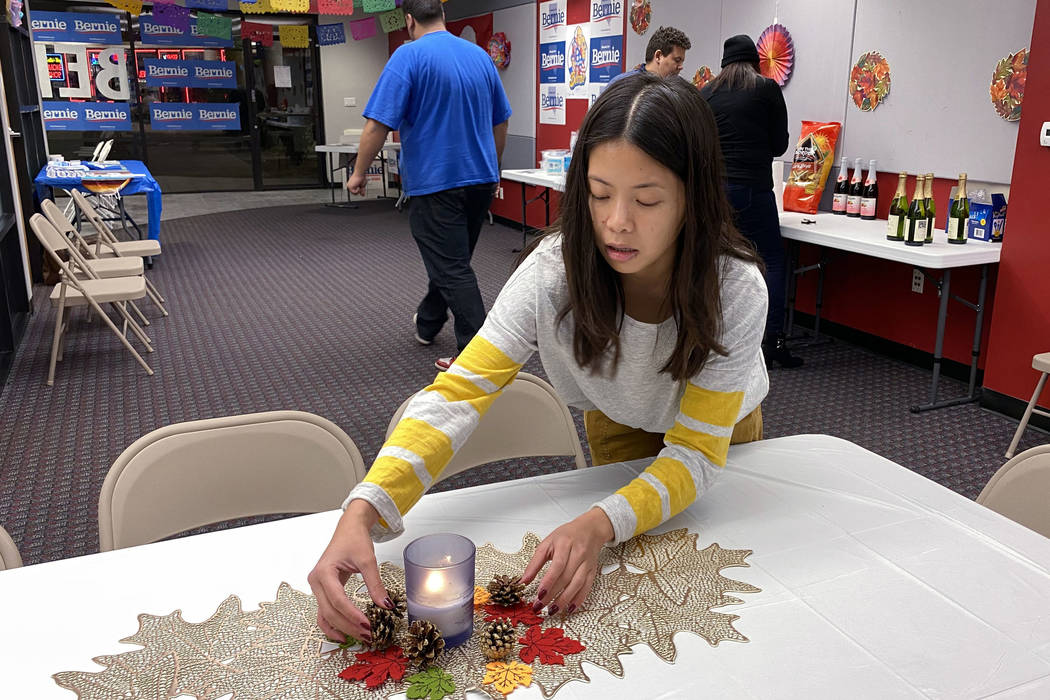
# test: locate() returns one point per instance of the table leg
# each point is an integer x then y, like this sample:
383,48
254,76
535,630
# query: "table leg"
348,204
944,289
524,210
792,284
976,352
382,170
820,293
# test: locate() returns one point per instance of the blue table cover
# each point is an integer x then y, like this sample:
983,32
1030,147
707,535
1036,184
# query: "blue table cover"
139,185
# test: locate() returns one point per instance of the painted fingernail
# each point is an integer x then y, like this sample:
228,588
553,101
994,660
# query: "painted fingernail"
367,627
542,593
537,606
388,604
552,610
571,609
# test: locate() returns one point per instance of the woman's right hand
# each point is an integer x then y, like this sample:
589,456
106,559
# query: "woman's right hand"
350,552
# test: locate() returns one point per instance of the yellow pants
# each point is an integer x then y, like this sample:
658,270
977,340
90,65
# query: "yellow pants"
611,442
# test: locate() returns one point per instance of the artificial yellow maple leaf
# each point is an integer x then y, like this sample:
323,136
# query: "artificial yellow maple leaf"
481,596
505,677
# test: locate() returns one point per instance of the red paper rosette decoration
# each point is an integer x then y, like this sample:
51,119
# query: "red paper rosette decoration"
776,53
499,50
702,76
1007,88
641,15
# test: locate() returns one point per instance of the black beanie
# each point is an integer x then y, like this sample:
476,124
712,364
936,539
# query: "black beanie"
739,48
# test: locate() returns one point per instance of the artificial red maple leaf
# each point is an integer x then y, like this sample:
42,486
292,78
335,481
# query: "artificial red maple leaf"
375,667
549,644
520,614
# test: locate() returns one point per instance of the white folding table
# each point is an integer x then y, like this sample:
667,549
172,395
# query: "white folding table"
869,238
351,148
539,178
875,582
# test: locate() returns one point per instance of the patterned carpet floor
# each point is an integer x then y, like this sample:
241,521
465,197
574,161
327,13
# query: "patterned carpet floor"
310,308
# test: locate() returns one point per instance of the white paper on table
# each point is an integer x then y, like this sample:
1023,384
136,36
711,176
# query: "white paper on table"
282,76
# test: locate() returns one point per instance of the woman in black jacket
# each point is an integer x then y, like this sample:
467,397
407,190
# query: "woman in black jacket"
752,128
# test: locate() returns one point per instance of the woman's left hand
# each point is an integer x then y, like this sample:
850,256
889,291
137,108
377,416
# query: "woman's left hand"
572,550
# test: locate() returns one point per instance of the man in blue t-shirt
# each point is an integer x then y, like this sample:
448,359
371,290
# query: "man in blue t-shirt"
443,95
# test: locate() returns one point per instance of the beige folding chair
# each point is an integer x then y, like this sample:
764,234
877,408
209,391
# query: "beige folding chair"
192,474
9,556
92,268
527,420
107,245
1020,490
1041,364
72,291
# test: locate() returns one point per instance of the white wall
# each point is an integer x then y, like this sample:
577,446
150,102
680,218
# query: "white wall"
519,79
349,70
938,116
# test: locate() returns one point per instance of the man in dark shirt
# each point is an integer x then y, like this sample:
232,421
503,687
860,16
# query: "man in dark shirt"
664,55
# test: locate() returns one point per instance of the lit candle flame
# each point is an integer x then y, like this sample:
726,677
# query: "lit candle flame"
435,582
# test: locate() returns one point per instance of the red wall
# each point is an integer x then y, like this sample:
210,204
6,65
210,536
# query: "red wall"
1021,318
550,135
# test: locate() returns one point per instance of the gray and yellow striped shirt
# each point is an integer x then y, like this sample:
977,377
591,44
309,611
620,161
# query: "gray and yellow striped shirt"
696,416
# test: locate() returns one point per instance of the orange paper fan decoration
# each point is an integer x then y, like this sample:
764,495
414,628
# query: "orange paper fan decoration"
776,53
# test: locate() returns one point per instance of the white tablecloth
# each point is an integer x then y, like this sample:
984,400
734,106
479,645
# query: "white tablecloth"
876,582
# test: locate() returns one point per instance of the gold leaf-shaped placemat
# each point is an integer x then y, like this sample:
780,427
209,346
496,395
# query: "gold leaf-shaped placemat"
652,587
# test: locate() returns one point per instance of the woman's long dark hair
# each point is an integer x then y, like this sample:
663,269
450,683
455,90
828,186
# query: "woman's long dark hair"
669,121
739,75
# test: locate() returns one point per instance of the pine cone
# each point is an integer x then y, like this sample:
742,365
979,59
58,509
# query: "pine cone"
400,601
497,640
384,626
506,591
423,643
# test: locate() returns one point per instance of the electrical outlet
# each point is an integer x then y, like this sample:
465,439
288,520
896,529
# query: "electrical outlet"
349,101
917,280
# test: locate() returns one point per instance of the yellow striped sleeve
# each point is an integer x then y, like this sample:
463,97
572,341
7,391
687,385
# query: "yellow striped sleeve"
398,479
714,447
439,420
487,361
721,408
644,500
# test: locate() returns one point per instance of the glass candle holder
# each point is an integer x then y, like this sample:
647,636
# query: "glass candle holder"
439,584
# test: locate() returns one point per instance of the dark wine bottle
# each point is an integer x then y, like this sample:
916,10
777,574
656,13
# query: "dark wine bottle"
838,204
870,196
856,189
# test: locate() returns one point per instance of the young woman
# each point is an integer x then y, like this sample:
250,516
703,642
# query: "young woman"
647,308
752,124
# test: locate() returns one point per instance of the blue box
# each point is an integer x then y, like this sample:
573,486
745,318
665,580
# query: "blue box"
987,217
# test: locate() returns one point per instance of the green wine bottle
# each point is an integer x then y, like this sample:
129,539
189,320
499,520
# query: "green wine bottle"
917,215
959,215
898,210
931,208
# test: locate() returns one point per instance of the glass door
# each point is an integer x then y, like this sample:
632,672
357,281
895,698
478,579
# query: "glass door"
287,121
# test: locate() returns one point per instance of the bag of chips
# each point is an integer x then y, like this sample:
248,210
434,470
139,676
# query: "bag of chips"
814,156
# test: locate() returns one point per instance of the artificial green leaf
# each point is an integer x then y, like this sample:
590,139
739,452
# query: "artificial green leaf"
350,642
433,684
